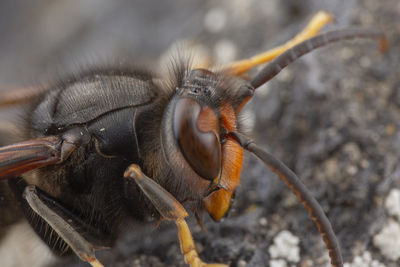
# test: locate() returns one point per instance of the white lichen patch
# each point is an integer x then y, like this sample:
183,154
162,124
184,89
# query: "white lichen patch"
278,263
286,247
392,203
388,240
364,260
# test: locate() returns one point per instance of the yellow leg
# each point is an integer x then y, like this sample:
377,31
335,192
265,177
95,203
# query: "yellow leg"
93,261
171,210
188,248
314,26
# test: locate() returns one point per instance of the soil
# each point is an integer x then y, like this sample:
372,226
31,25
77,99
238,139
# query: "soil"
331,116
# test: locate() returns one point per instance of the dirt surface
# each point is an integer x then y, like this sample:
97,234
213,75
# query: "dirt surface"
332,117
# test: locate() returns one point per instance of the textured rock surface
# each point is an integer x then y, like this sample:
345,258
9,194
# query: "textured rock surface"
332,117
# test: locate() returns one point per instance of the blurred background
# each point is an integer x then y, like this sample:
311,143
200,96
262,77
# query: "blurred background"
332,117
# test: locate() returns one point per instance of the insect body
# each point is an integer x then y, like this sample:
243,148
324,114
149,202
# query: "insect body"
117,145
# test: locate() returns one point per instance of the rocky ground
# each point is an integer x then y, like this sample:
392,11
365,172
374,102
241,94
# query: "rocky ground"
332,117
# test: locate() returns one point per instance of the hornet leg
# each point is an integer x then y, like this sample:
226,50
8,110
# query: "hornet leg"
82,248
171,210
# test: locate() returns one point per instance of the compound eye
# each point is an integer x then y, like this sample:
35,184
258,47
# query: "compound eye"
196,131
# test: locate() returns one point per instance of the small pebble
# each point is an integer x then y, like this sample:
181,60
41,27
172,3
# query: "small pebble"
392,203
388,240
278,263
352,169
364,260
242,263
285,246
263,221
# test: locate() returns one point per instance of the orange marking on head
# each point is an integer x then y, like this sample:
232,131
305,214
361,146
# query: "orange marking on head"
218,203
232,160
228,117
232,153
